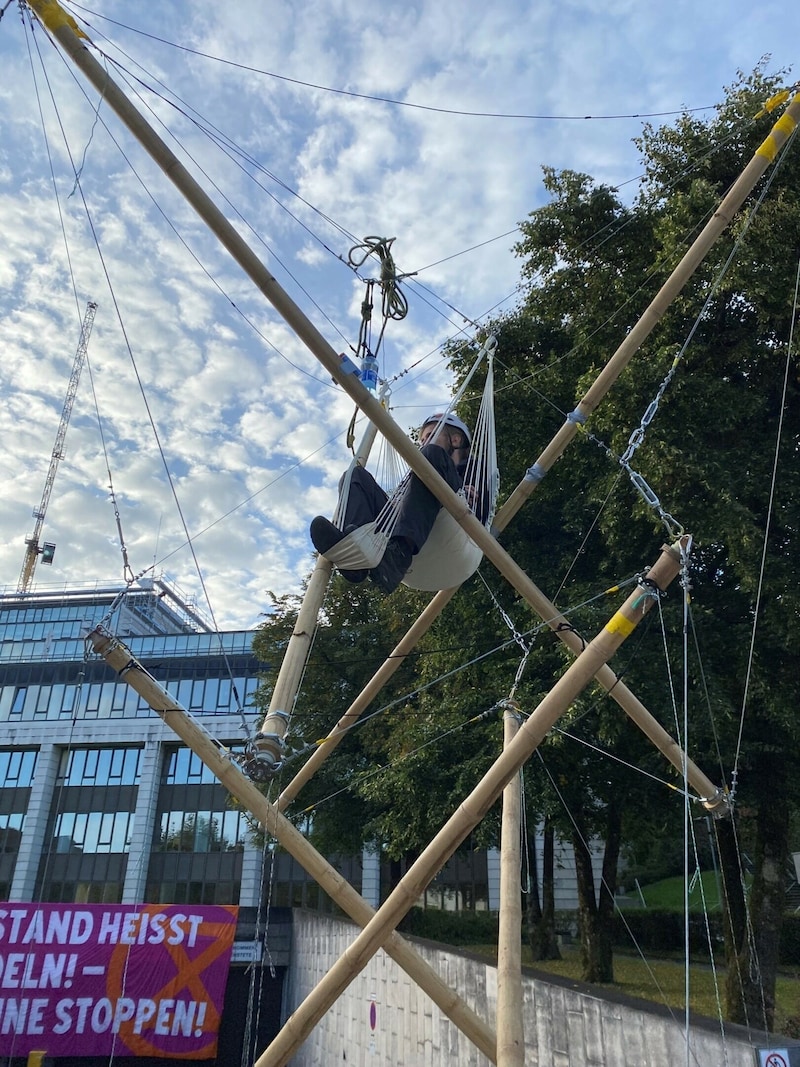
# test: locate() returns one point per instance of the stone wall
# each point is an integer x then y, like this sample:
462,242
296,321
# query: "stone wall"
383,1018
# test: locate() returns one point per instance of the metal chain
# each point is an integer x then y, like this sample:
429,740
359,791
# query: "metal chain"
517,636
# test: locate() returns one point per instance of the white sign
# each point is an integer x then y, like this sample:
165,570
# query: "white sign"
774,1057
251,952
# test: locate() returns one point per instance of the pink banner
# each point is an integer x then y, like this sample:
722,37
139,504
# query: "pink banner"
97,980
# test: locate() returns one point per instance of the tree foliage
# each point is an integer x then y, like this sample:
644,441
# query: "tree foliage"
709,452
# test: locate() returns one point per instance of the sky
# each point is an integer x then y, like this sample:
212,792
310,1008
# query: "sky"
199,417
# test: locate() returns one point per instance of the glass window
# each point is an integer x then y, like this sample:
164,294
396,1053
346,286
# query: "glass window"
99,766
224,696
93,699
184,767
17,767
92,832
19,700
57,698
211,694
68,700
201,831
11,832
216,891
198,693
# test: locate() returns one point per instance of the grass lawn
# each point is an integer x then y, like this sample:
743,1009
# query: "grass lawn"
668,894
664,982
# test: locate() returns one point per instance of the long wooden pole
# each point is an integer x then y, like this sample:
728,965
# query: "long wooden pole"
365,697
510,1028
267,758
220,762
763,157
468,815
66,32
714,799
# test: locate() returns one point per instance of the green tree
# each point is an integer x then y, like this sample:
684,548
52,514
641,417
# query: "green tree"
592,265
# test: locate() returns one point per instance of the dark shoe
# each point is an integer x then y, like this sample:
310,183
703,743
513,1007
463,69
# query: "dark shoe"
391,569
324,535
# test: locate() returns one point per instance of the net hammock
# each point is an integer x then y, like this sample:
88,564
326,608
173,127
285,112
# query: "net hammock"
449,556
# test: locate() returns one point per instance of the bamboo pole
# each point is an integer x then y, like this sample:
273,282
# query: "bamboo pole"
267,758
66,32
365,697
219,761
468,815
762,158
267,748
510,1029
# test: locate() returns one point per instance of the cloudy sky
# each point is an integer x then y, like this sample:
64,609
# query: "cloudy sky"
312,125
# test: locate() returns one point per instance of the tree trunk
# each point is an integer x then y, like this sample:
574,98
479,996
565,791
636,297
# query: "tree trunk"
549,893
596,940
734,914
752,973
542,917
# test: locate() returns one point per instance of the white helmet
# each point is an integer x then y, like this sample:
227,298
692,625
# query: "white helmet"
449,419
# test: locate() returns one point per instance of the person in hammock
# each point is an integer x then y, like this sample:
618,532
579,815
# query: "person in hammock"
446,448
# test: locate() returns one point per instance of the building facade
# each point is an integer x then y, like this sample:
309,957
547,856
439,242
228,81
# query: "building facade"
99,802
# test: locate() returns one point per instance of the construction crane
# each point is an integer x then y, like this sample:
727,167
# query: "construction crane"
32,548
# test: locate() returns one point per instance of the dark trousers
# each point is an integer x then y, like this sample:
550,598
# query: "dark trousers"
419,508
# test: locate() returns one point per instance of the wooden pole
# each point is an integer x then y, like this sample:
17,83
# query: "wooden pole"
266,759
763,157
510,1029
341,368
66,32
468,815
220,762
269,743
365,697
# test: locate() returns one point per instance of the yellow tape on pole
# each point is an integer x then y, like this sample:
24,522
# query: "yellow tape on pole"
620,624
53,16
769,149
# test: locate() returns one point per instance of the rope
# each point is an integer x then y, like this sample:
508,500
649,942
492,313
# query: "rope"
517,637
618,911
257,235
365,776
411,695
394,304
127,572
256,989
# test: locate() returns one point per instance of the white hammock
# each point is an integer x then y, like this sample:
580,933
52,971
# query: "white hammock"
449,555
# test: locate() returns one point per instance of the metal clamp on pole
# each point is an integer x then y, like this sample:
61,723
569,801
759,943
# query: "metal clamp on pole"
264,755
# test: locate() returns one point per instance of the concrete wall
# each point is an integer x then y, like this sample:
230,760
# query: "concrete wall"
566,1026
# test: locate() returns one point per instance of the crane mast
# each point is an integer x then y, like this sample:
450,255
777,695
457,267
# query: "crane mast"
46,551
